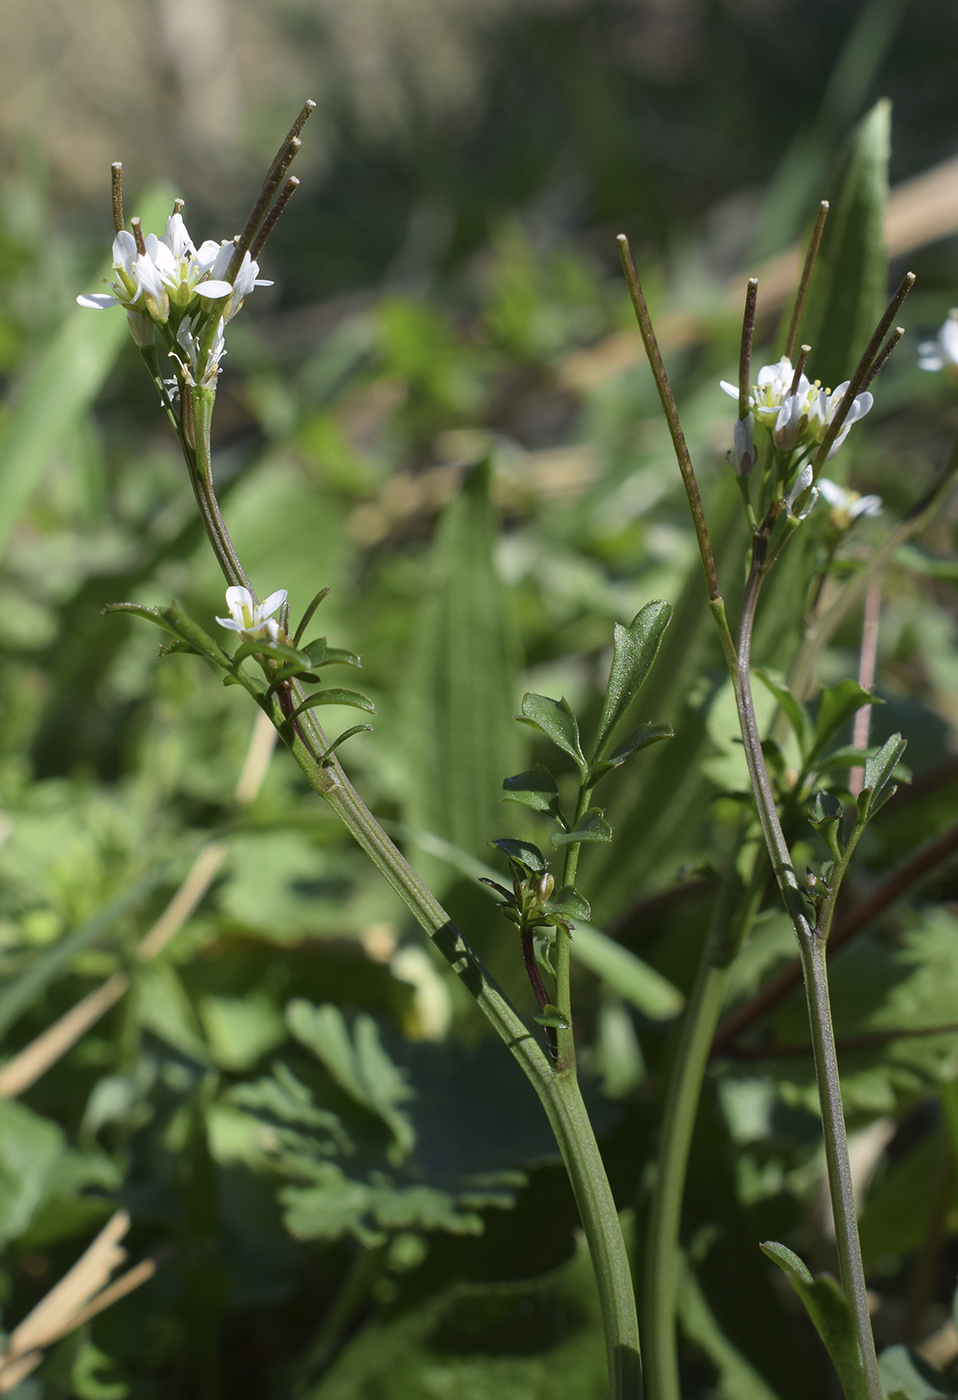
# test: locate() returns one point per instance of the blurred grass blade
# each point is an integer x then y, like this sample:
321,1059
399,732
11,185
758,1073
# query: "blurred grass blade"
633,979
798,183
461,734
21,991
849,287
58,389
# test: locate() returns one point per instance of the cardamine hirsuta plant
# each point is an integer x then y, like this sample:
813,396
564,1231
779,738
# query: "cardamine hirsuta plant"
806,784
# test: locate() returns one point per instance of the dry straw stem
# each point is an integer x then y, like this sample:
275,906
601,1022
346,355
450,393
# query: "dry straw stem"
33,1061
80,1295
919,211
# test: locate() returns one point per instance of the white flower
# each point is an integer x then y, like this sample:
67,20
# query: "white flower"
824,410
942,353
173,270
802,482
847,506
200,367
800,418
253,621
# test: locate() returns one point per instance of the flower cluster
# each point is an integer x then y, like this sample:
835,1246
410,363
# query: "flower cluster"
796,411
168,282
846,506
942,353
254,621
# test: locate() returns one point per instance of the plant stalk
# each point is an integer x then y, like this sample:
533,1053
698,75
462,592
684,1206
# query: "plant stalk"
557,1089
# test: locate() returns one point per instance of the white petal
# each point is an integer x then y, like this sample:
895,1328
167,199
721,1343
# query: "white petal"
234,624
730,389
213,289
238,597
177,237
97,301
272,603
834,494
948,340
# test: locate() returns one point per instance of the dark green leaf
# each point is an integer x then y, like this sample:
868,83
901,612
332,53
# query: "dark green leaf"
878,787
592,827
536,789
634,652
849,288
798,720
357,1061
639,739
529,857
554,719
831,1314
279,651
569,901
322,655
334,696
837,705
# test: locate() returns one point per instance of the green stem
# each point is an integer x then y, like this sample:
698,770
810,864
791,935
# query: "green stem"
603,1233
565,1037
198,459
683,1090
557,1089
811,946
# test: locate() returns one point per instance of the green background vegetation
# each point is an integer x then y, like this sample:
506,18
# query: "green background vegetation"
363,1200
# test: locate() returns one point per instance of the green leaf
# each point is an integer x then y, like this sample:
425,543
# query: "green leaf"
905,1376
634,651
31,1150
321,655
536,789
639,739
57,391
830,1313
569,901
463,679
799,722
878,788
529,857
849,287
279,651
526,1339
346,734
333,696
592,826
357,1062
838,704
551,1016
21,990
554,719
